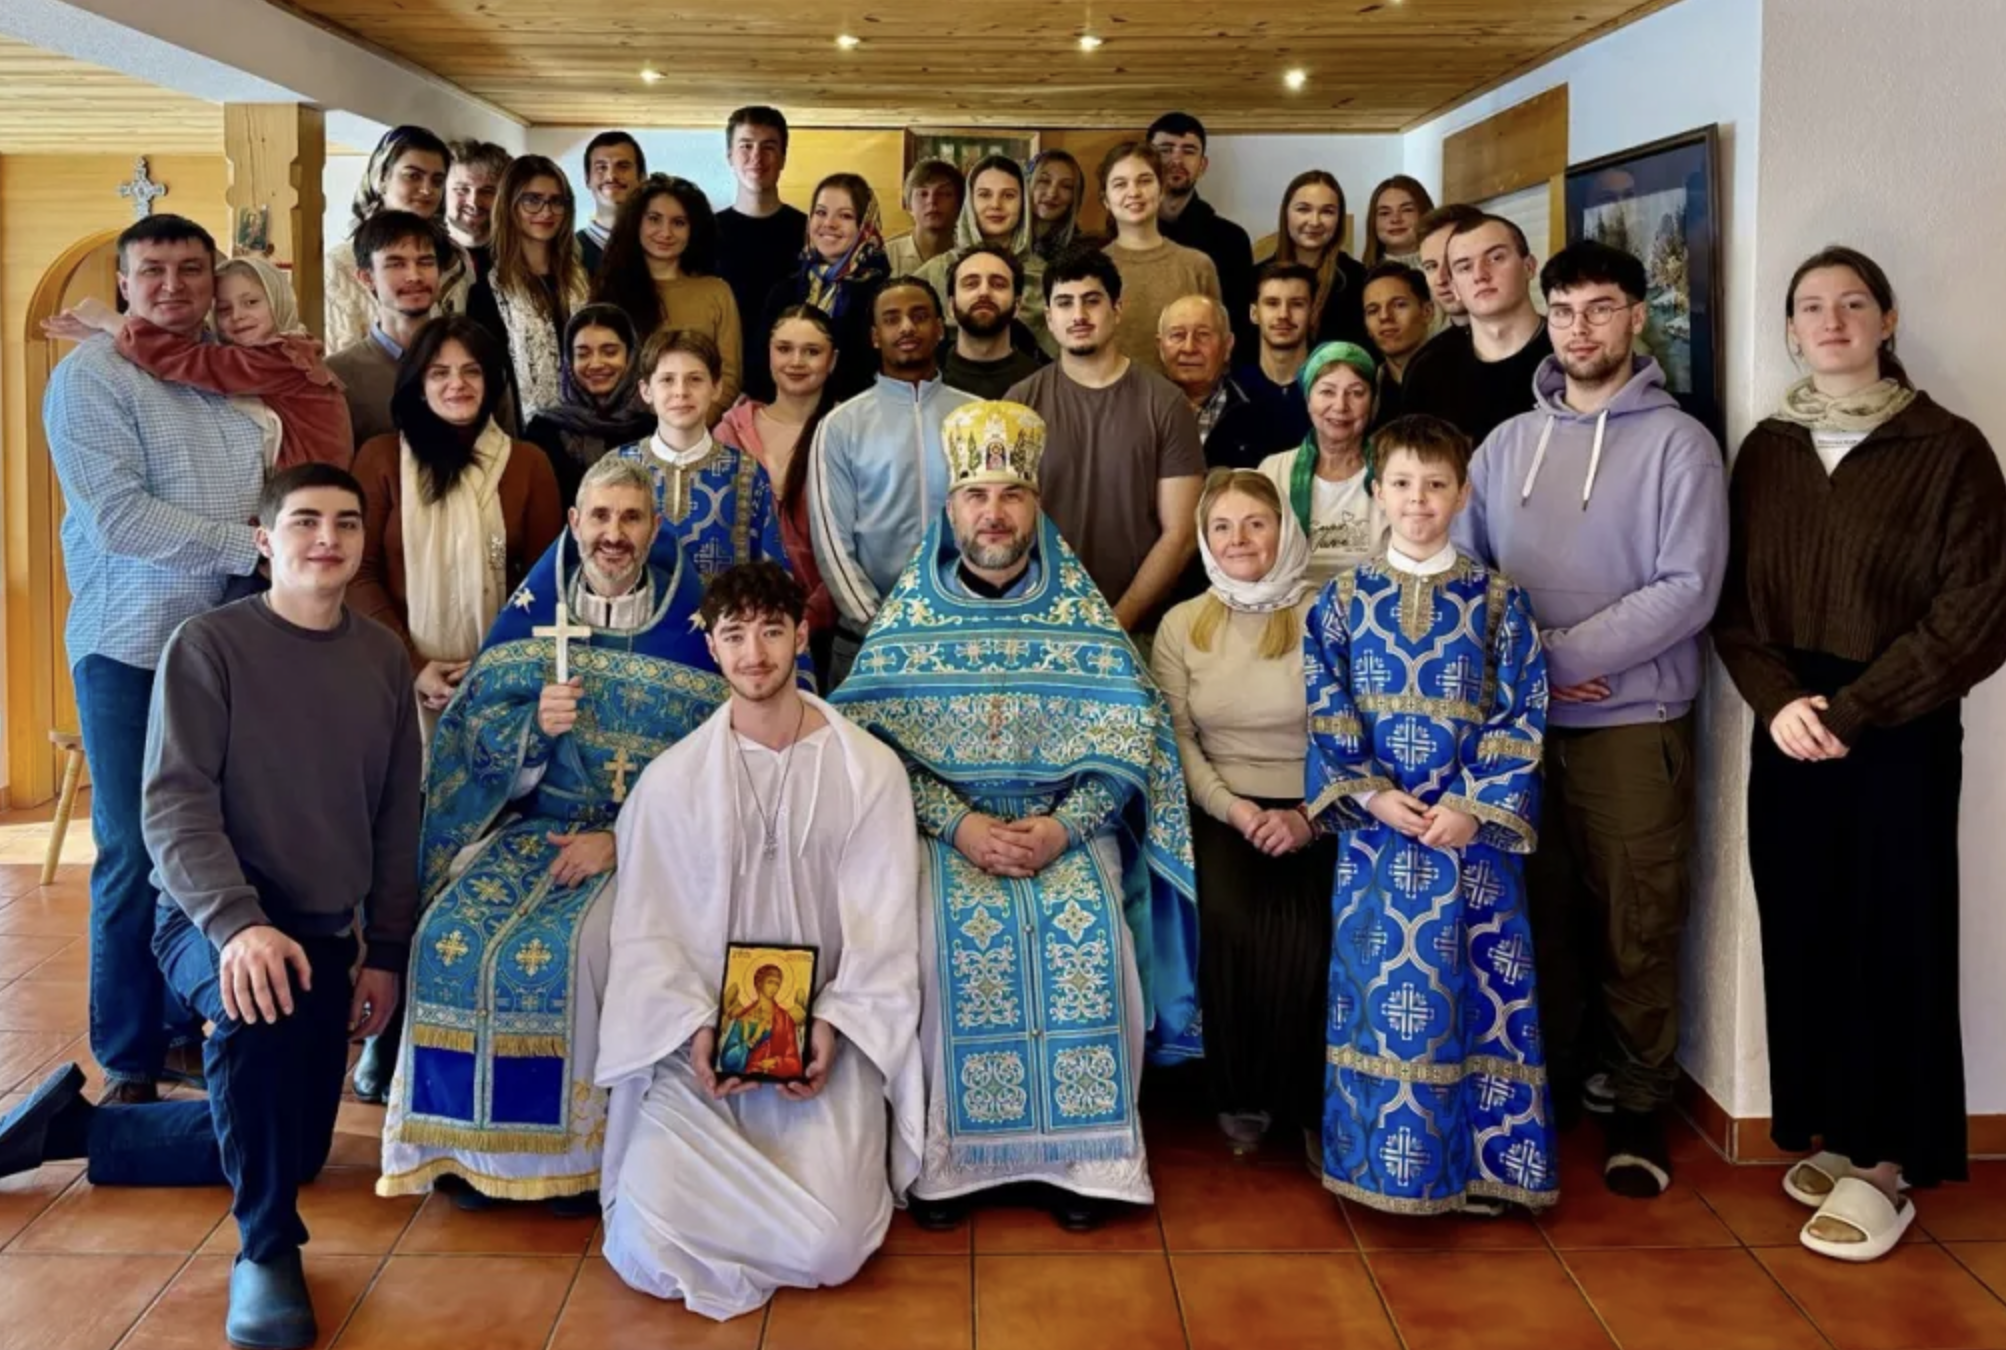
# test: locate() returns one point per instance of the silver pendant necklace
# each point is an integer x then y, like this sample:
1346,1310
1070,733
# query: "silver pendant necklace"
769,846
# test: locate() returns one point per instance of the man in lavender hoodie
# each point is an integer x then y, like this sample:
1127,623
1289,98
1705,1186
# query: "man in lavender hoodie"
1609,506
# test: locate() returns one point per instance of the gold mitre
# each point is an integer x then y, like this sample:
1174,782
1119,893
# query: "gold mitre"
993,442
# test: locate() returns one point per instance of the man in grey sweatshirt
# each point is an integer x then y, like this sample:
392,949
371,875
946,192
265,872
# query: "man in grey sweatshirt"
281,797
1609,506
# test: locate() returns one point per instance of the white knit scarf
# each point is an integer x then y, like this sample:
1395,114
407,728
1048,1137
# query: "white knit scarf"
455,552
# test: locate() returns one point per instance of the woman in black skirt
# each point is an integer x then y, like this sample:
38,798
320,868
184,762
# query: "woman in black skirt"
1230,664
1865,596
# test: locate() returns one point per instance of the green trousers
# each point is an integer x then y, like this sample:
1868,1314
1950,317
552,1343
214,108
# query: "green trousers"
1607,895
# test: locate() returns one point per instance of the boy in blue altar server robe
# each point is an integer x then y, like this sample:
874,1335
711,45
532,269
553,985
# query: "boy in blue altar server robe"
716,500
1427,699
494,1082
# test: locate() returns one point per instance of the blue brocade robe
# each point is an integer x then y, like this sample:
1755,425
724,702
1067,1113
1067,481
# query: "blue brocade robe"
1036,703
494,1080
722,511
1435,1087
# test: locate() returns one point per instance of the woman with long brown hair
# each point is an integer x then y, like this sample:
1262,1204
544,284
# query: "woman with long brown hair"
1311,232
537,282
1393,221
1865,596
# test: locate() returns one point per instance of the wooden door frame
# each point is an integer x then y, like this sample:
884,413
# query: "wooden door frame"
33,500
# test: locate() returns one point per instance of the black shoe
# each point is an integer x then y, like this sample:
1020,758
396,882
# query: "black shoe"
938,1216
585,1206
1079,1213
129,1093
24,1133
463,1194
1638,1163
374,1068
269,1305
184,1066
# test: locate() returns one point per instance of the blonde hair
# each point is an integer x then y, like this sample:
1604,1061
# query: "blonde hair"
1282,634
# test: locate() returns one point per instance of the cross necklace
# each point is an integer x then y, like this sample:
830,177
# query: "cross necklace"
769,846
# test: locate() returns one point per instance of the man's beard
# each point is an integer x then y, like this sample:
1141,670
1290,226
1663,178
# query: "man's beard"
984,328
777,685
995,557
609,585
477,232
1597,369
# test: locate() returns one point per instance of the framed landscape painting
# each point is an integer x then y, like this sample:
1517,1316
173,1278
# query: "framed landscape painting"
963,146
1661,204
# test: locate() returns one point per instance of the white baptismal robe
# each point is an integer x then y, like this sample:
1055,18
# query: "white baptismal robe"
719,1203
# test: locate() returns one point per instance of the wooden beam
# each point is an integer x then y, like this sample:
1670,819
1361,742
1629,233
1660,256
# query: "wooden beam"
1523,145
276,154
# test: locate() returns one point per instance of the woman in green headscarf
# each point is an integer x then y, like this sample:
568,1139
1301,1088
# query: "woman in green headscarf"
1324,479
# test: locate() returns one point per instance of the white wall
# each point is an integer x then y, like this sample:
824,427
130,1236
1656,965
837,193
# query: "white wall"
1697,62
1880,130
1248,174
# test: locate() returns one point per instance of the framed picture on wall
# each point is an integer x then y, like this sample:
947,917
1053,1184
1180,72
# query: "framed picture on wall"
1661,204
963,146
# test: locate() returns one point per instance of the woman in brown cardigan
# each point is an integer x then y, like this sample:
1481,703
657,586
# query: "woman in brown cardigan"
454,514
451,499
1865,596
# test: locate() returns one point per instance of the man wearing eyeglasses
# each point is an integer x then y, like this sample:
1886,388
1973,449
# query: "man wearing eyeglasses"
1476,376
1609,506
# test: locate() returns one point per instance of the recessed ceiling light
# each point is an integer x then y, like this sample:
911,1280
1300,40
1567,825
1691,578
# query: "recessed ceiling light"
1088,42
1296,79
848,41
650,75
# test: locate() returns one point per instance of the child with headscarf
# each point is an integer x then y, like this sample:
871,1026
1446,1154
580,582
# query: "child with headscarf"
265,359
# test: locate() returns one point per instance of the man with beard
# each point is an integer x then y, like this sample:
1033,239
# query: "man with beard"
983,286
397,261
1609,505
876,475
592,670
1481,374
1122,478
471,184
1188,219
776,823
1057,927
614,166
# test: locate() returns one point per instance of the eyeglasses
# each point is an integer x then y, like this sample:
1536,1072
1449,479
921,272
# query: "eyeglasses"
535,203
1596,315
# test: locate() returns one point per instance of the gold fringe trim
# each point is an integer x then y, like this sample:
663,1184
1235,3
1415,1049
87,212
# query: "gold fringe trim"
1504,745
1448,1204
474,1139
1438,1075
442,1038
1527,837
420,1180
531,1047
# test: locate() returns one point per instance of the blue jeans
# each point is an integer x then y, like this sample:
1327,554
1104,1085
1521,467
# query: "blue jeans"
129,999
274,1092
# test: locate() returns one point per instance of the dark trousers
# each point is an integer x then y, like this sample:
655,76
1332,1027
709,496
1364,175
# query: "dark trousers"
130,1005
274,1091
1608,895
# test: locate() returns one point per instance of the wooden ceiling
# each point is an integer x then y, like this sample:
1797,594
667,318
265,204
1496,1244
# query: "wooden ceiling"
1372,67
50,104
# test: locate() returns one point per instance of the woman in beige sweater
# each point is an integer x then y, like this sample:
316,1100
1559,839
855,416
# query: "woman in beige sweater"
1230,664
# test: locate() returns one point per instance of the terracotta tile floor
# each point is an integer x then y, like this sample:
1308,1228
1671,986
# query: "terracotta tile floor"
1236,1254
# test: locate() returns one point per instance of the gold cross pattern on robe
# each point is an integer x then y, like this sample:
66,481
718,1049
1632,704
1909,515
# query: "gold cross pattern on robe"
619,767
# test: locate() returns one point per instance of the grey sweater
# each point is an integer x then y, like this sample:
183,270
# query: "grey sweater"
369,377
282,778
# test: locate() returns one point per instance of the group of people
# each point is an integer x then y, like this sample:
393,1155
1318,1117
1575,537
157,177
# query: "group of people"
972,619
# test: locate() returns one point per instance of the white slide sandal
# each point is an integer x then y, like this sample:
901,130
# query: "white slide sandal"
1833,1167
1861,1206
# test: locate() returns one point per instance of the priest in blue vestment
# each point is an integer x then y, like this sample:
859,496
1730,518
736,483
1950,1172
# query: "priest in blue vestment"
1427,701
715,499
1058,927
594,667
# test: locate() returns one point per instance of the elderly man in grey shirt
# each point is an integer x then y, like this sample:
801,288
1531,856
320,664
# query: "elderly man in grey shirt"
281,799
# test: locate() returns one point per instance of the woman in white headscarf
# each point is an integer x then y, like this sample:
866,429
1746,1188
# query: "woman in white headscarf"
1230,664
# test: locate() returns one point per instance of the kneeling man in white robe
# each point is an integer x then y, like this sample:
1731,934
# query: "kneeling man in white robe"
776,823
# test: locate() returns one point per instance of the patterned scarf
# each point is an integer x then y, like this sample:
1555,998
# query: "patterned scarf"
830,284
534,345
1302,470
590,424
1860,411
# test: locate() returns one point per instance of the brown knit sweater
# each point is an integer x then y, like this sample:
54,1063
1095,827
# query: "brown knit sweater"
1896,560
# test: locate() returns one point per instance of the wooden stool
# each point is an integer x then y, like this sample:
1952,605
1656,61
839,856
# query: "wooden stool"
72,746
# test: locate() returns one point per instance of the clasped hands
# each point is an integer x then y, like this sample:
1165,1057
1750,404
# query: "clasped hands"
1009,848
1436,826
1273,832
822,1046
1801,734
438,680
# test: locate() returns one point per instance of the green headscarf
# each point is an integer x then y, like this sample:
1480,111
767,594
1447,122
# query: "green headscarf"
1302,473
